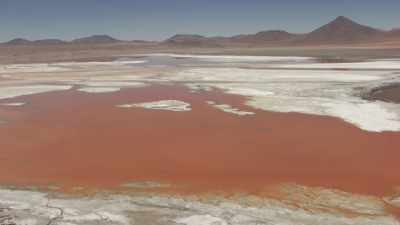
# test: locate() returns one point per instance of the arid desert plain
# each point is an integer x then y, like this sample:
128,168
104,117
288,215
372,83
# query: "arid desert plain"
199,139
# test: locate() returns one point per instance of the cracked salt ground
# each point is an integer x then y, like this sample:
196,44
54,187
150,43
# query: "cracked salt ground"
328,206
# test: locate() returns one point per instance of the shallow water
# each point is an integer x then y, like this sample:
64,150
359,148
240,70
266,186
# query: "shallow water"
86,140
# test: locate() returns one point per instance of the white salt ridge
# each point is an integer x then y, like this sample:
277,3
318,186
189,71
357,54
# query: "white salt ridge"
17,91
229,109
30,68
266,75
169,105
109,63
13,104
248,91
106,86
59,67
100,83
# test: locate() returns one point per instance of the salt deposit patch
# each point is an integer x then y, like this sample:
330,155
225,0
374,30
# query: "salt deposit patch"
233,58
60,67
146,184
13,104
99,89
31,68
247,91
100,83
106,86
229,109
371,116
330,93
26,222
16,91
169,105
380,64
264,75
110,63
201,220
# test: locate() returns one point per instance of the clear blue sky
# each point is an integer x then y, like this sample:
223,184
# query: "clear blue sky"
159,19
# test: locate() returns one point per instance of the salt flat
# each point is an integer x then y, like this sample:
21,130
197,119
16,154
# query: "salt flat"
327,92
331,93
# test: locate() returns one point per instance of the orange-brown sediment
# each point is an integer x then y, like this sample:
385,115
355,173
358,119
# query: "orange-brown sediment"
79,139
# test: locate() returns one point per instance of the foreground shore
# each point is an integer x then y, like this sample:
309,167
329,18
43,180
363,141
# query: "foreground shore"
294,204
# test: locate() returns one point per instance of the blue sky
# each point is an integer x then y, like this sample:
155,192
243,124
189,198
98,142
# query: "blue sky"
159,19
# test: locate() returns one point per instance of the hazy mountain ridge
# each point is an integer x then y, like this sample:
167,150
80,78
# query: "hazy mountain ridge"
95,39
342,30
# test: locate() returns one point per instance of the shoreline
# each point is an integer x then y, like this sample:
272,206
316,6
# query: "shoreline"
289,207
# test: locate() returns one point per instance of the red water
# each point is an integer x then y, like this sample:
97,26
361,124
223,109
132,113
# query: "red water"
71,139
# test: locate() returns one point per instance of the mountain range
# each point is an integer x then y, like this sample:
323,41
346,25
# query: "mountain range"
342,30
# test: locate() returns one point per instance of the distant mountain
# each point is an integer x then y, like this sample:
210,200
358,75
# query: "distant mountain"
191,40
49,42
264,37
96,39
341,31
19,41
